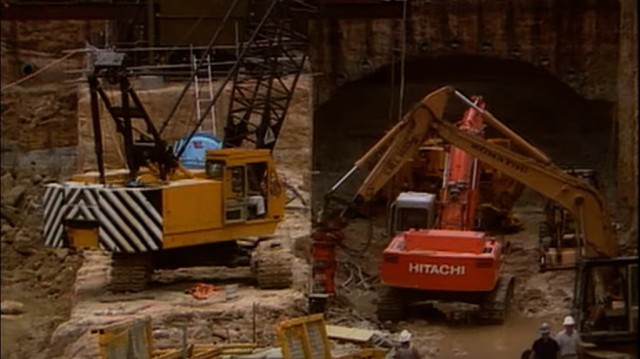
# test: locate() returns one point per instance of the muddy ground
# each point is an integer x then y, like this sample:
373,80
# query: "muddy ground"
36,282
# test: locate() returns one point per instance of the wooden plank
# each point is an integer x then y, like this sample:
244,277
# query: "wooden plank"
168,354
354,335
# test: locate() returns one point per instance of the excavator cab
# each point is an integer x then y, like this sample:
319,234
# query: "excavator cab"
411,210
607,304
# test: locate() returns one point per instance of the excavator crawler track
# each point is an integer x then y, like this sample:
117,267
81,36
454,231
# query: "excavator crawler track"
271,266
130,273
391,305
494,309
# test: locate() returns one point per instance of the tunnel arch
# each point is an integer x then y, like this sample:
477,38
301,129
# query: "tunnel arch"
573,131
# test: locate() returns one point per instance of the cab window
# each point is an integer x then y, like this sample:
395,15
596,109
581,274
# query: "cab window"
256,178
214,169
410,218
238,180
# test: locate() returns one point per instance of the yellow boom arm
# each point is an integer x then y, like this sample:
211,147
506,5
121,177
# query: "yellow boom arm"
534,171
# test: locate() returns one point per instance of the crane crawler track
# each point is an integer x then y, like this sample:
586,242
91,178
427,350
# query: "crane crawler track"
271,266
495,307
130,273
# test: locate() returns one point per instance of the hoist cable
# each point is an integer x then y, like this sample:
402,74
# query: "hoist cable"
201,62
231,72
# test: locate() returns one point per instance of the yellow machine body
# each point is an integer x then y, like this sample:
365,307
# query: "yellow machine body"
237,195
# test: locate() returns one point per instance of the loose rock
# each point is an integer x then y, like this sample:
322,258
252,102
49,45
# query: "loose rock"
11,307
7,180
15,195
61,253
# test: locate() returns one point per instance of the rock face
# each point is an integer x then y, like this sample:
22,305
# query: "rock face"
39,118
35,44
567,40
628,116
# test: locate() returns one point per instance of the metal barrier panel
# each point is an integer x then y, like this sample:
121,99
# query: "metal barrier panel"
304,338
126,340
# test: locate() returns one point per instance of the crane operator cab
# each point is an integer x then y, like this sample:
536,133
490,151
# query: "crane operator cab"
248,180
412,210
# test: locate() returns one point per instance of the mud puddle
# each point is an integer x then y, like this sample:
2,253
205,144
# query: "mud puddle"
475,341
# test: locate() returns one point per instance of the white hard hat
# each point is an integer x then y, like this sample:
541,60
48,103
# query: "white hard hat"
568,320
404,337
545,328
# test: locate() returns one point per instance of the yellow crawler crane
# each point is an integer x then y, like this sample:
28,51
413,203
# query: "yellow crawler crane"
156,214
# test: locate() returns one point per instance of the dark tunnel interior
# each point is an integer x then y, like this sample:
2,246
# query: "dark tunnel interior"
573,131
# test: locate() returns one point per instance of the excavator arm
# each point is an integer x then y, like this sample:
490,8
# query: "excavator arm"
533,168
403,141
579,198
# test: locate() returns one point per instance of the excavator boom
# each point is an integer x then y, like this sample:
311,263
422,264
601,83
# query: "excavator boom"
460,194
580,199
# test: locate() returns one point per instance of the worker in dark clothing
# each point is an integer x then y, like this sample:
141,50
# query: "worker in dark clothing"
405,350
545,347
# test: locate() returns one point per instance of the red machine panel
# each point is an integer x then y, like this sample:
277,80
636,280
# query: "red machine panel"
442,260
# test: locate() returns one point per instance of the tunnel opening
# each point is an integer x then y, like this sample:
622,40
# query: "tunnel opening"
572,130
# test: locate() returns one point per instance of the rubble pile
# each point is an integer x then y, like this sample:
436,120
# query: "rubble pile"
36,281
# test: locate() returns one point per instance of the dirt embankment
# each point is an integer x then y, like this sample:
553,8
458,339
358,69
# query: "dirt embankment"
36,282
39,118
28,46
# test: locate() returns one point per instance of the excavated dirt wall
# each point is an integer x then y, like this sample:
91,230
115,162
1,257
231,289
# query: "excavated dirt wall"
628,115
575,41
37,43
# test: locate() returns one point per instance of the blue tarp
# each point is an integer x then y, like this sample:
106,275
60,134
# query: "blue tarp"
194,155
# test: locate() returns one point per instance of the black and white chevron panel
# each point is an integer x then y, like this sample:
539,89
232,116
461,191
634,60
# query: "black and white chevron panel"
53,214
128,220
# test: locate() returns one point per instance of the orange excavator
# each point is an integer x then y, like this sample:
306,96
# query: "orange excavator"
452,240
421,263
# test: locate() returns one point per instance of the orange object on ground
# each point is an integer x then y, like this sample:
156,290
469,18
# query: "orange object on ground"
202,291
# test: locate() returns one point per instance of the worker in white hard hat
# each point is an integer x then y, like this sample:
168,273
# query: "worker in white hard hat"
545,347
569,340
405,350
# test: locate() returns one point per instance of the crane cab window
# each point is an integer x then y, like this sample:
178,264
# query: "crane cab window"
238,181
235,194
246,190
214,170
258,190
